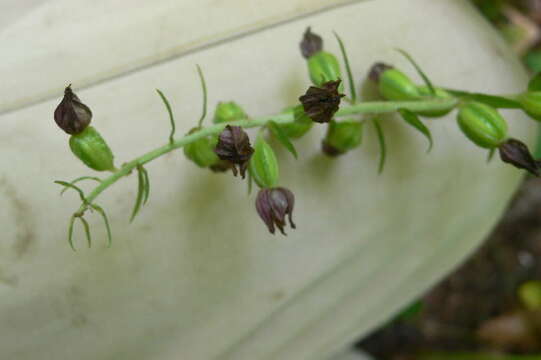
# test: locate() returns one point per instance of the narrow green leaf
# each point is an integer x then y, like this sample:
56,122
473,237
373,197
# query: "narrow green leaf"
412,119
348,68
140,193
81,179
282,137
147,185
106,221
70,232
499,102
171,117
419,71
535,83
382,146
250,183
74,187
87,231
204,88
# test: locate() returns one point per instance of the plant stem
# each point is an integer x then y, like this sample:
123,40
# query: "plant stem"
377,107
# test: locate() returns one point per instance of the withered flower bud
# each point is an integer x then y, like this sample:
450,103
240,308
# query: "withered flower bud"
311,43
376,70
234,146
71,115
273,204
321,103
516,153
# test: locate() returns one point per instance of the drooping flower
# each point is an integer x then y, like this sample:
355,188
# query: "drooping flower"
516,153
71,115
321,103
311,44
273,204
234,146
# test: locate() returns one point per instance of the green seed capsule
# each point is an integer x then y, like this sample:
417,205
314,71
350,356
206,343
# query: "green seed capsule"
92,150
323,67
440,94
531,104
482,124
530,295
395,85
264,165
228,111
342,136
202,152
300,126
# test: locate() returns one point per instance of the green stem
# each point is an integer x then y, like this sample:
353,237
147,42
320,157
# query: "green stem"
377,107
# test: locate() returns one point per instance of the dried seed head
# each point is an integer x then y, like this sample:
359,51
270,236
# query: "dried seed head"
311,44
272,205
321,103
516,153
234,146
71,115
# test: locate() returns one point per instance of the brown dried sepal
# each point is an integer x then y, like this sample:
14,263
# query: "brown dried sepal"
71,115
272,205
234,147
321,103
376,70
311,43
516,153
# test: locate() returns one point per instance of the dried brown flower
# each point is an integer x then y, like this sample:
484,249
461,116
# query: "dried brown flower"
516,153
71,115
273,204
376,70
234,146
311,44
321,103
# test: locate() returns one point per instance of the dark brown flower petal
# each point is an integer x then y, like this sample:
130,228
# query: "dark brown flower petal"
376,70
311,43
71,115
321,103
516,153
234,146
272,205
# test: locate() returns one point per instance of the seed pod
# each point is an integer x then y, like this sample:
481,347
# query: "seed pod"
300,126
92,150
323,67
531,104
201,151
342,136
264,165
440,94
71,115
228,111
393,84
482,124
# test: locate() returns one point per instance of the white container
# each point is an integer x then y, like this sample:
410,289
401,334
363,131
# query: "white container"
197,276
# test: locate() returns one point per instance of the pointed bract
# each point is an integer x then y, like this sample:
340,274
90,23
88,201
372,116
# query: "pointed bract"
272,205
321,103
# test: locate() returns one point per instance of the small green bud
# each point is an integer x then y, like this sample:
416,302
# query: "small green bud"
440,94
482,124
201,151
300,126
342,136
530,295
393,84
531,104
264,165
228,111
92,150
323,67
